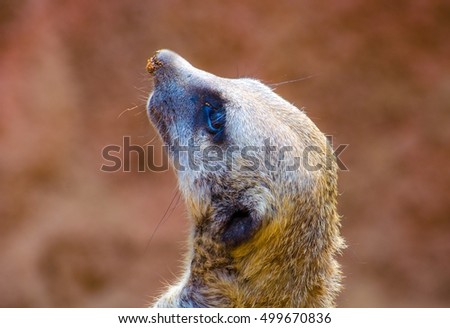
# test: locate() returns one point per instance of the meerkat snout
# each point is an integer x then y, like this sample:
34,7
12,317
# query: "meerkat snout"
260,185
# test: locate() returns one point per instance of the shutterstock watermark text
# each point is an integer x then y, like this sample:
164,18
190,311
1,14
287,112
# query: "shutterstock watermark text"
192,156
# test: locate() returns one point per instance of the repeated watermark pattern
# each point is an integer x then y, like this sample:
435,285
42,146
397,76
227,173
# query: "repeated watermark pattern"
193,157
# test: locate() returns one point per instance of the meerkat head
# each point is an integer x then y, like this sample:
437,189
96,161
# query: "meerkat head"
259,181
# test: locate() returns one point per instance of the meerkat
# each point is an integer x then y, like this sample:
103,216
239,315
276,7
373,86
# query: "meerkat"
260,184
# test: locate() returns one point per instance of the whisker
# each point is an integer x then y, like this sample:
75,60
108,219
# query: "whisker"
149,142
140,113
292,81
141,89
143,98
177,193
128,109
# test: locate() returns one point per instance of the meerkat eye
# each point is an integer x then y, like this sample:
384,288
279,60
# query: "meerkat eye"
215,118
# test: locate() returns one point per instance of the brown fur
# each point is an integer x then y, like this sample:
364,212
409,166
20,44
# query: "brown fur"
287,259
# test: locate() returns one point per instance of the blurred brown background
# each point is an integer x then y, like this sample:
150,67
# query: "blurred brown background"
72,236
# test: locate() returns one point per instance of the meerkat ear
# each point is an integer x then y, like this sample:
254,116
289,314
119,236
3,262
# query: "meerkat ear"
240,227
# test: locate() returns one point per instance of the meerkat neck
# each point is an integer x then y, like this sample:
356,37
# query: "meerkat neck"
300,274
304,274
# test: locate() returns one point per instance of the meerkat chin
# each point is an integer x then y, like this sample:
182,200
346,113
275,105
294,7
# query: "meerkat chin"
260,184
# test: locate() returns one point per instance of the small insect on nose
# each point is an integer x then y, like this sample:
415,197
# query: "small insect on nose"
153,64
164,58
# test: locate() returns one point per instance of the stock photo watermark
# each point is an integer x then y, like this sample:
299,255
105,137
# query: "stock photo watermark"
212,158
